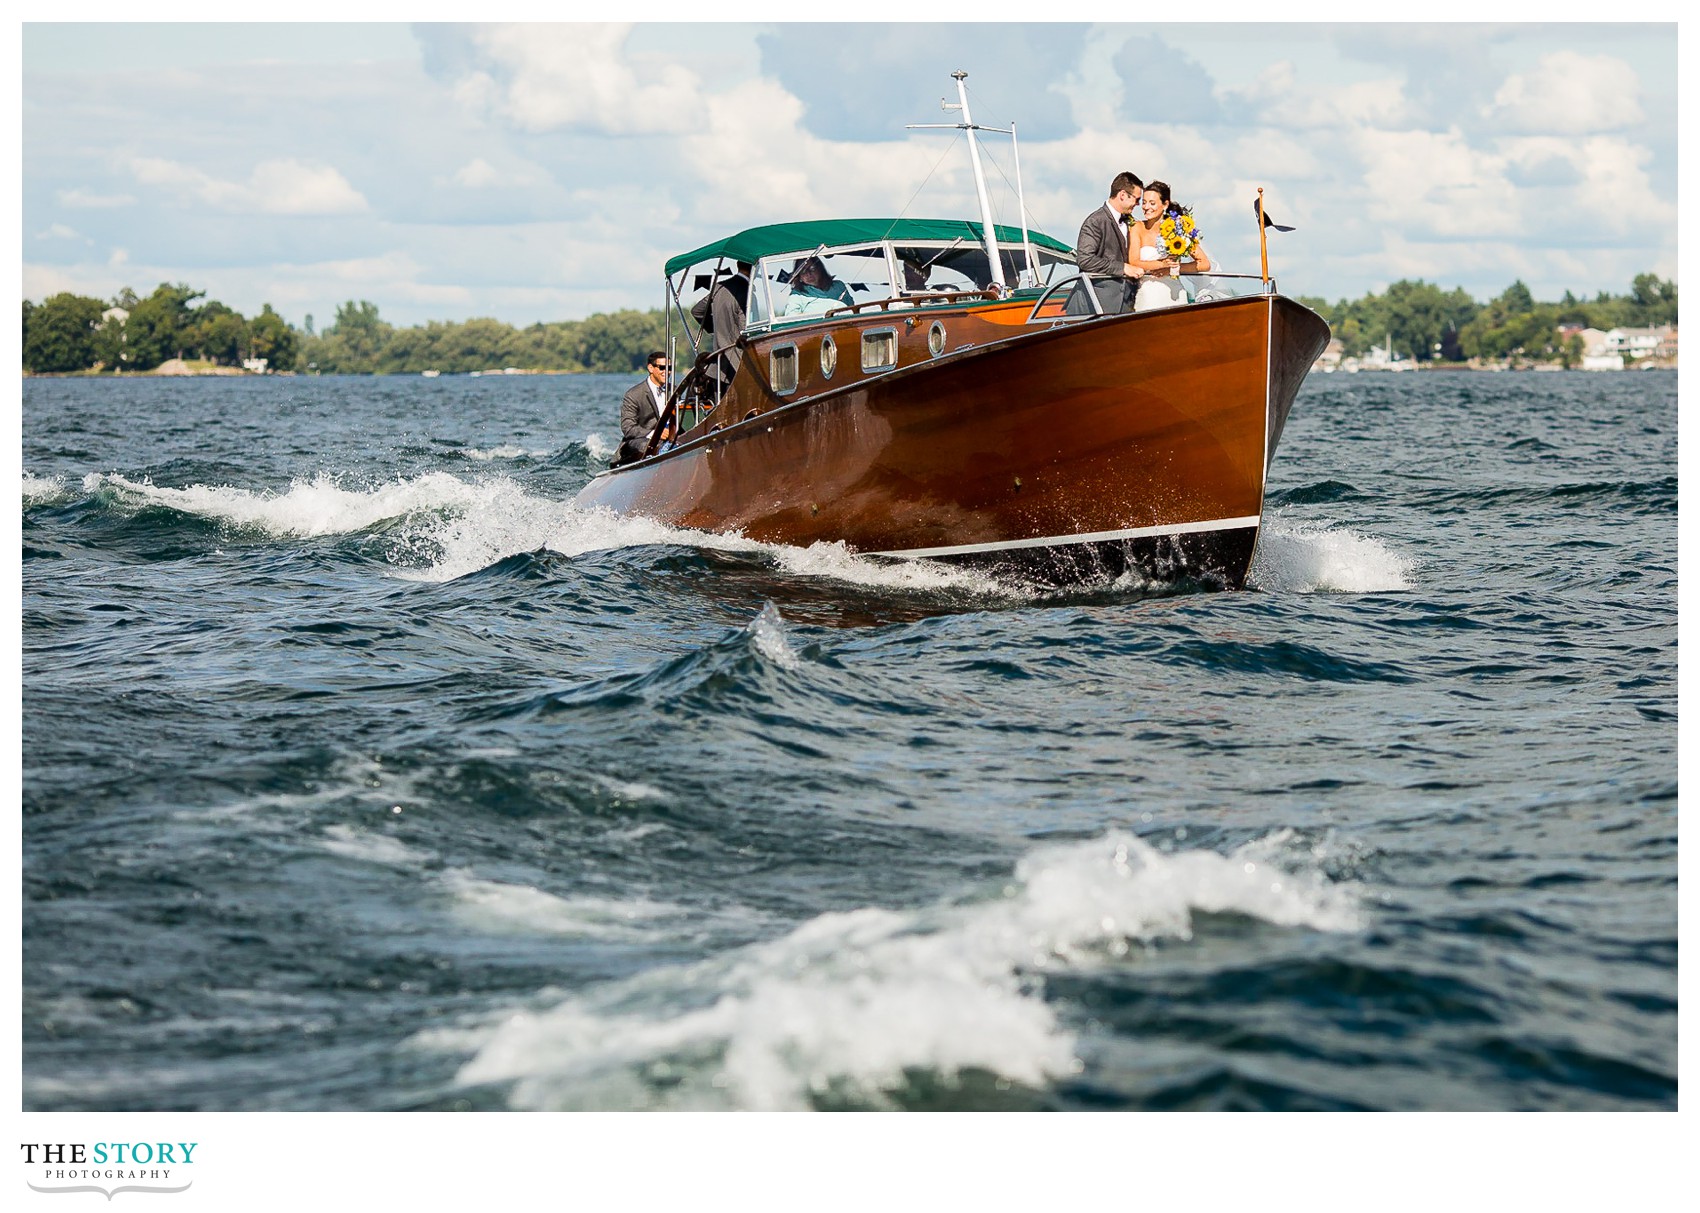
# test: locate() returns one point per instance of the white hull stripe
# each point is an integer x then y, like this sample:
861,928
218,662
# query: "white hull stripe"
1052,541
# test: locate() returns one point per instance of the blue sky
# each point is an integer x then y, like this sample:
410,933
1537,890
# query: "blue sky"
544,172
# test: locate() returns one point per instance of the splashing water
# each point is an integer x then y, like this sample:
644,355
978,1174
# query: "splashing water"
1310,558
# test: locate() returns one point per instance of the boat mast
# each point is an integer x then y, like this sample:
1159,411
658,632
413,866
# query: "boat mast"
967,124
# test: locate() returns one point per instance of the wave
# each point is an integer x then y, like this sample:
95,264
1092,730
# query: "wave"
308,508
852,1008
508,451
40,490
1307,558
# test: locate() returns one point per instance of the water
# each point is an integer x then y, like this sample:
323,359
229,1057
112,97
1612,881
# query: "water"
361,771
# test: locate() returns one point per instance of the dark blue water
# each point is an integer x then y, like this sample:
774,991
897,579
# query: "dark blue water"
361,771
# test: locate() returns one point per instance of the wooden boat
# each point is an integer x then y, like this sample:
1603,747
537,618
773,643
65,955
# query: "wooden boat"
1002,422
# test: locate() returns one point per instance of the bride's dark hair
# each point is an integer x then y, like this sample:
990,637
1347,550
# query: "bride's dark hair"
1160,187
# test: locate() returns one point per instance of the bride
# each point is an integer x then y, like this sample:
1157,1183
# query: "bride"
1160,287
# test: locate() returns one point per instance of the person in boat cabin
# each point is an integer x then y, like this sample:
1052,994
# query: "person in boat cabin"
1160,286
915,271
1102,248
815,290
721,315
640,408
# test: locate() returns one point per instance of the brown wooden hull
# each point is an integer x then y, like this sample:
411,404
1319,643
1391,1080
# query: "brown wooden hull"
1064,453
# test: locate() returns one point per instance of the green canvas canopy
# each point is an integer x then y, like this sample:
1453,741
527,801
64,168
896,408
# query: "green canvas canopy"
758,242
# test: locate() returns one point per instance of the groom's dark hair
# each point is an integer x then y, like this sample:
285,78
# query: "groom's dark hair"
1125,181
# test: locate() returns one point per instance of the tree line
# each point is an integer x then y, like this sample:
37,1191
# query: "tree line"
70,333
75,333
1429,324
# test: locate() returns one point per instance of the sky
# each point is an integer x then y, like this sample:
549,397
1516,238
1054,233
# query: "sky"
541,172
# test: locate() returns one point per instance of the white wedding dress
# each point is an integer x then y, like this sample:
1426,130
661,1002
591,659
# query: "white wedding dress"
1155,293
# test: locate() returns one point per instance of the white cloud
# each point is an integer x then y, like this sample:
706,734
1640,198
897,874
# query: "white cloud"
476,174
275,187
82,199
1569,93
1435,184
58,231
754,163
1278,99
579,77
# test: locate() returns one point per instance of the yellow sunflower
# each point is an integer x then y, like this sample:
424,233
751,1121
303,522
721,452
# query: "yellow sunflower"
1176,245
1166,229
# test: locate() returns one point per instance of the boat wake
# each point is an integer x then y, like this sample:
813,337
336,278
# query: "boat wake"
441,527
877,1007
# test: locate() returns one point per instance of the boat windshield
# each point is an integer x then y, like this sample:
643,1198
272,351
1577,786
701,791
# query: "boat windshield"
813,283
958,266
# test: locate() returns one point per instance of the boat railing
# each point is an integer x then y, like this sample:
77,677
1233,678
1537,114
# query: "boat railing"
1206,288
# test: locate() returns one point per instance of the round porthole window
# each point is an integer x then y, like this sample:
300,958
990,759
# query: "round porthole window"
935,339
828,356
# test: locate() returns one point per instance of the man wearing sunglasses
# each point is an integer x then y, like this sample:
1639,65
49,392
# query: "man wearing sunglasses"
640,409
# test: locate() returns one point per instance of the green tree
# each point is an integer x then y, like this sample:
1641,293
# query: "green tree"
1419,316
271,337
60,334
158,325
354,344
1653,301
218,333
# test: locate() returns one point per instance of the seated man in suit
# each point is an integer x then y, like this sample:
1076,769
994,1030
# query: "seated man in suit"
1102,248
640,409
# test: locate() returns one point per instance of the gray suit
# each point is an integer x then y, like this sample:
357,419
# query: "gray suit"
1101,249
638,416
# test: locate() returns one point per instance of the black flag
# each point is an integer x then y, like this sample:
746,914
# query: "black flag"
1257,209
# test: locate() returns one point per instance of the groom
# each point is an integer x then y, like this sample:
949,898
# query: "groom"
1101,248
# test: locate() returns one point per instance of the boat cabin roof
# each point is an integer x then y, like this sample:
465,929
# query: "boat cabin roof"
754,243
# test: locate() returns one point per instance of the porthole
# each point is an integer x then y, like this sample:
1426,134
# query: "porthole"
828,356
879,350
782,369
935,339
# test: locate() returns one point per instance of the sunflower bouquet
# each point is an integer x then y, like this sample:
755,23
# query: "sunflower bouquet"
1178,232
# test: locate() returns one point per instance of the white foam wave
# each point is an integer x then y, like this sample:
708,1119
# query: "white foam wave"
351,843
40,489
320,506
599,447
836,561
508,451
1306,558
493,905
849,1002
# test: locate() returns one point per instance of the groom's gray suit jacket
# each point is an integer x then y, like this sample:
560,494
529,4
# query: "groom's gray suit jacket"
1101,249
1102,245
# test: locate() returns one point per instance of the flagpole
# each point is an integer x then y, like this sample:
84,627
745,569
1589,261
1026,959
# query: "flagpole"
1263,237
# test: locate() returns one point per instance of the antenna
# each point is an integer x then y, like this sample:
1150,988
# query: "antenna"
967,124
